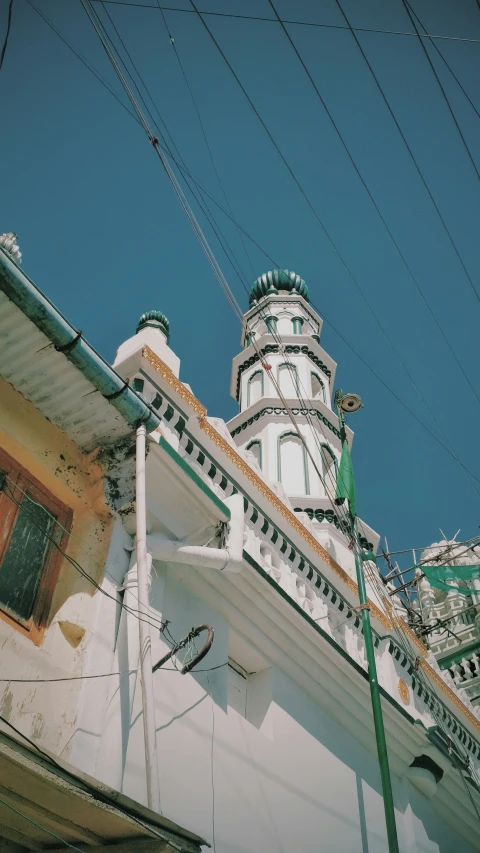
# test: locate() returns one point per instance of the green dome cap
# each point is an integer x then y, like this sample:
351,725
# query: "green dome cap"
275,280
155,319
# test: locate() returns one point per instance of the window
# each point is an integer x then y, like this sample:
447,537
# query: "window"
271,323
288,380
30,518
255,447
255,387
297,325
330,465
292,464
318,388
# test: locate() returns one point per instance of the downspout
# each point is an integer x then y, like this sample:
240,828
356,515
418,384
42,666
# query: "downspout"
228,559
144,563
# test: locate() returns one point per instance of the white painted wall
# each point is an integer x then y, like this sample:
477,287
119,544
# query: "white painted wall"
291,779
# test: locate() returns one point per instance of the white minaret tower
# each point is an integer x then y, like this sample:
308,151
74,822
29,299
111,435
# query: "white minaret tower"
286,331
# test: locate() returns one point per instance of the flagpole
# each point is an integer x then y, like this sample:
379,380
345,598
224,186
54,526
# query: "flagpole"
370,655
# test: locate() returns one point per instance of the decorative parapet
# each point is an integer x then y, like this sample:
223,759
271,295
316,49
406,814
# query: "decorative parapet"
8,242
292,555
278,410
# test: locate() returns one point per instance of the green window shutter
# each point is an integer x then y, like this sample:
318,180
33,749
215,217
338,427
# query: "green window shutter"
24,559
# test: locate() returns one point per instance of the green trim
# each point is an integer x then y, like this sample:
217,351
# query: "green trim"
331,642
164,394
446,662
304,453
175,457
278,410
297,323
294,349
325,446
259,443
271,324
289,367
322,385
249,381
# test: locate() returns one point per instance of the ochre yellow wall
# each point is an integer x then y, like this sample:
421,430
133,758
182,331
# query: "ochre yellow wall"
77,480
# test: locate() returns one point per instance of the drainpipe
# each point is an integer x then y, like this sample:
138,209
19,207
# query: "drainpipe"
228,559
144,563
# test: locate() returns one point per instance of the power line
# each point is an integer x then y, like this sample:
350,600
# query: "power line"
409,11
372,199
39,826
287,21
410,152
202,127
203,190
447,64
7,34
324,229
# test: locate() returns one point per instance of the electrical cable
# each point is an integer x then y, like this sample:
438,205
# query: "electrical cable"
407,146
7,34
409,10
82,59
249,236
447,64
204,133
332,243
100,675
39,826
372,199
286,21
71,560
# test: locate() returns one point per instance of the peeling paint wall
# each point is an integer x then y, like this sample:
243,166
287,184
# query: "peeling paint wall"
46,712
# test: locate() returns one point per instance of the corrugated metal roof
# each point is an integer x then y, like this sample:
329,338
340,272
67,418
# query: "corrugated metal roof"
30,362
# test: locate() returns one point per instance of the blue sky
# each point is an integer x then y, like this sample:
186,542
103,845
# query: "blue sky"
103,235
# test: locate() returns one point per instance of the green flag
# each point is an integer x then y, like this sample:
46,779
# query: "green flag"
345,481
438,575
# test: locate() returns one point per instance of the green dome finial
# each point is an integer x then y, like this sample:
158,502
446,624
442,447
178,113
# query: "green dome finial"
275,280
156,320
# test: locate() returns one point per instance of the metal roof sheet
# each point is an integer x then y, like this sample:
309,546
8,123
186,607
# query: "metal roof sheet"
30,362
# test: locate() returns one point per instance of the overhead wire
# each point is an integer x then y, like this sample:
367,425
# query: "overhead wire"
204,133
7,33
445,62
409,150
157,624
409,10
327,234
39,826
289,21
372,199
203,190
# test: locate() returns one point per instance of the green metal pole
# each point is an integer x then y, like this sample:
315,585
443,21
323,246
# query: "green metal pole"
374,689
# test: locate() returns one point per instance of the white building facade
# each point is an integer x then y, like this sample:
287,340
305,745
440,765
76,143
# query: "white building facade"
268,743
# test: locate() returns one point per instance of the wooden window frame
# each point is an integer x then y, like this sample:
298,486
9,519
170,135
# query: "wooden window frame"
20,481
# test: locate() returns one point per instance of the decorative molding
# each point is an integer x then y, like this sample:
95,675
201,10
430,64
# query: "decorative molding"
290,349
403,691
172,380
434,676
277,410
288,514
386,620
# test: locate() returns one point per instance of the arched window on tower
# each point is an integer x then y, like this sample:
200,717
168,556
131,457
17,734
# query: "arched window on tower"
287,378
255,387
255,447
292,464
318,388
330,468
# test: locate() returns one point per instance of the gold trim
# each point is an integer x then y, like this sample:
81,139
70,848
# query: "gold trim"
229,451
404,691
451,695
287,513
172,380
